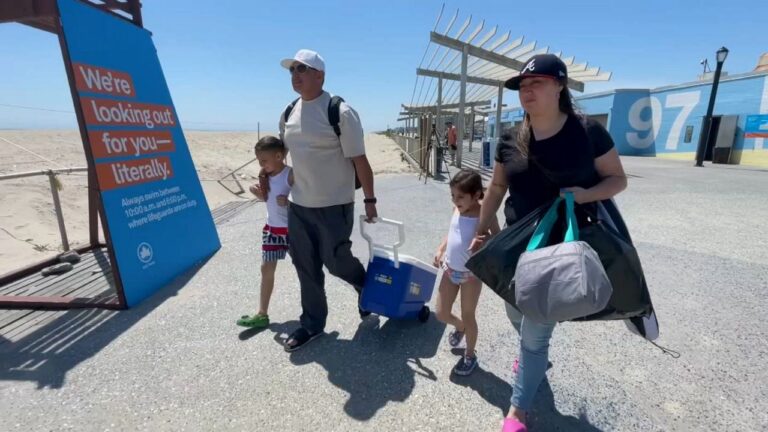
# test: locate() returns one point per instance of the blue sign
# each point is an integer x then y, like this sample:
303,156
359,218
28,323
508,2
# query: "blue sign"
486,154
157,217
756,126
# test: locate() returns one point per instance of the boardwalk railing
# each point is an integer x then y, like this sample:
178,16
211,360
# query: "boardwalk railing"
55,186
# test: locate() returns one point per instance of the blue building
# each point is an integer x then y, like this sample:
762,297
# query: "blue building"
666,122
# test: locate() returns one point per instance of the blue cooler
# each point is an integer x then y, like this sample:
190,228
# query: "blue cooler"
396,286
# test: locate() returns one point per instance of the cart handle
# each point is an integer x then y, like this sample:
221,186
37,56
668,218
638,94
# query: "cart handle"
400,234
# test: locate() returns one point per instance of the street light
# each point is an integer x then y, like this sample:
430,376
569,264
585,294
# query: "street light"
722,54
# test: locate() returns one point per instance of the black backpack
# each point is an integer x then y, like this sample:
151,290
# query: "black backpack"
334,117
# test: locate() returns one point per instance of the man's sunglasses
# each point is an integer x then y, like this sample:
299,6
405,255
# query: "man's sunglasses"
299,68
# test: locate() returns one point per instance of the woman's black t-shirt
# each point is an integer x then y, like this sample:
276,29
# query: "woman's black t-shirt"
566,159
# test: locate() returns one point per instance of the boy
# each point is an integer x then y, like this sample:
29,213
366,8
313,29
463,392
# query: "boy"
271,152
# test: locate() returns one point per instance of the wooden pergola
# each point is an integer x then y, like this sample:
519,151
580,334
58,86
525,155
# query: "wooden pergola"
468,69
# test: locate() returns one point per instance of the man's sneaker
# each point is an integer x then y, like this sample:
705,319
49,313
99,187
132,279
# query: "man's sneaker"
465,366
455,337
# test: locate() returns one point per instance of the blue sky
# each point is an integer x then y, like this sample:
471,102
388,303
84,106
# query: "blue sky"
221,59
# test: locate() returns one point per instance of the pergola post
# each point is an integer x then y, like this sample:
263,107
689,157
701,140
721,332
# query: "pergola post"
497,134
439,120
462,101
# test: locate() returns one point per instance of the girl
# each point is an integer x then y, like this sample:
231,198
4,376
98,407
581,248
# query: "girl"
271,152
555,151
452,254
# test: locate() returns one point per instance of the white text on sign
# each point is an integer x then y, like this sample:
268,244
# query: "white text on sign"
95,79
106,144
107,112
113,175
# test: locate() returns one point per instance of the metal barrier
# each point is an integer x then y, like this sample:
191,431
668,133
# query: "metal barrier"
234,177
55,186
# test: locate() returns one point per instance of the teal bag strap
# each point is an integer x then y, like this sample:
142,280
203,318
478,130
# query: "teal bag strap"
541,235
572,233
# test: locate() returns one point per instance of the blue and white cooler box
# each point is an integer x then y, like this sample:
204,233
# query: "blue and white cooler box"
396,286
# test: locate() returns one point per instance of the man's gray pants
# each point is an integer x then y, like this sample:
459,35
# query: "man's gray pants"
320,236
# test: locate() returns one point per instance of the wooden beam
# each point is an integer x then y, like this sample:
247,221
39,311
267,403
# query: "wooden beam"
457,77
604,76
18,10
462,105
41,14
497,126
131,9
444,107
115,5
55,303
439,119
490,56
134,8
586,73
415,114
47,24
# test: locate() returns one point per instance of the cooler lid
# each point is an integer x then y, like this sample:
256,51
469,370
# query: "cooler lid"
407,259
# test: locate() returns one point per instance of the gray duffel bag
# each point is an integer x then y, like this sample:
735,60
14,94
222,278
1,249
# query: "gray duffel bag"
564,281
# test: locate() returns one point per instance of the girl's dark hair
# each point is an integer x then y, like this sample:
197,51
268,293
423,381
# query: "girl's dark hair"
468,182
566,105
269,143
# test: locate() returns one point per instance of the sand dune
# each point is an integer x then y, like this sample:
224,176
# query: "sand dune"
28,227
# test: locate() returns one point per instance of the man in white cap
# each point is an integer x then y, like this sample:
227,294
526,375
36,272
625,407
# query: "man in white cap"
325,140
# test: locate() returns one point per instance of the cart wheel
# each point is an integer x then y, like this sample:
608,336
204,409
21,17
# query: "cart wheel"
424,314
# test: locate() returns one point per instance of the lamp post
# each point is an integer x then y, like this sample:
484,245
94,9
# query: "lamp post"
722,54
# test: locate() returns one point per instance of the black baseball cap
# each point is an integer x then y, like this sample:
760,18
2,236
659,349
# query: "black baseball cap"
542,65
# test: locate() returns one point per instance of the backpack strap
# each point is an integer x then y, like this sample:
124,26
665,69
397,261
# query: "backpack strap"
289,109
334,118
334,113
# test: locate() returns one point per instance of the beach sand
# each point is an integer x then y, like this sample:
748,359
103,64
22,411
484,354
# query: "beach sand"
28,228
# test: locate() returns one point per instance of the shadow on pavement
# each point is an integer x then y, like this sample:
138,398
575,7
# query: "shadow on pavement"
378,365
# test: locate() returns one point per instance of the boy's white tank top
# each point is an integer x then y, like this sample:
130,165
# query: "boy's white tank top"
277,216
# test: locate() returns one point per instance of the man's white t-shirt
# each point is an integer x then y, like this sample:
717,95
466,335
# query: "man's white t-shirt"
323,172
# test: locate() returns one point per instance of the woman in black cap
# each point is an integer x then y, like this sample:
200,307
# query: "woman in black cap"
555,150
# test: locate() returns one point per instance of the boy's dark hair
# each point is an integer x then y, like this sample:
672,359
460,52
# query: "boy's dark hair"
270,143
468,182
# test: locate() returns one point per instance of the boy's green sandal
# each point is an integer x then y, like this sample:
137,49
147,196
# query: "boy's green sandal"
256,321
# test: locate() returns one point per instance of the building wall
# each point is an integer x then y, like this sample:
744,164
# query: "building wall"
653,122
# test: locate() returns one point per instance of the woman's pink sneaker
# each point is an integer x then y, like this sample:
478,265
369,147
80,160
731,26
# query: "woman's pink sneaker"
513,425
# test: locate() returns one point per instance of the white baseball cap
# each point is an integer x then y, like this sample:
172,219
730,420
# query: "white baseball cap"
307,57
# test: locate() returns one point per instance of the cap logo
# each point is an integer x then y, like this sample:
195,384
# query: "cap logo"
560,73
529,67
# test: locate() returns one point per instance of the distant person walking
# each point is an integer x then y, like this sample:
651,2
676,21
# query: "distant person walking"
451,138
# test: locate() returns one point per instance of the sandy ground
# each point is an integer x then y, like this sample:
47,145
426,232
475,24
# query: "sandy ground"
28,227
